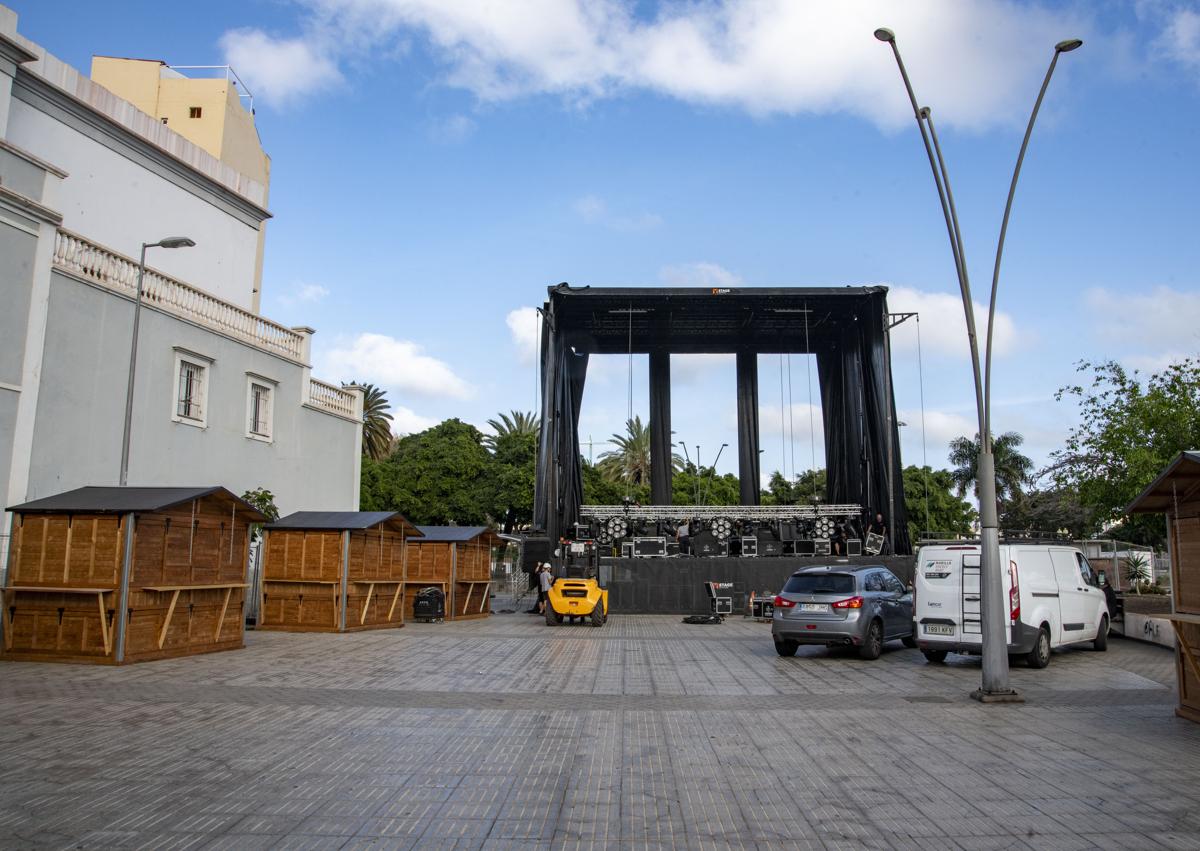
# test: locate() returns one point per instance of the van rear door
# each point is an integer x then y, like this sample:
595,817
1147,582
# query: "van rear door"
1073,598
938,581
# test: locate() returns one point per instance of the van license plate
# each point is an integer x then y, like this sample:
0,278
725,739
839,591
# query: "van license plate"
937,629
814,607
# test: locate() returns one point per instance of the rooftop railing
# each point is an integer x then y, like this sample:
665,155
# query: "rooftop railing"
117,272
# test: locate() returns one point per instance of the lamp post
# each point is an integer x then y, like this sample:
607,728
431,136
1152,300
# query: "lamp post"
994,687
169,242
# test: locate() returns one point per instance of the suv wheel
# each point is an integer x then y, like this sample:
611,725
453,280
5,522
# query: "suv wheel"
1039,656
872,646
1101,642
786,648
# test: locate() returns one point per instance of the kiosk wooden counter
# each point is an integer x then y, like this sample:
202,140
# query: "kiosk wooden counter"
1176,493
457,559
334,571
126,574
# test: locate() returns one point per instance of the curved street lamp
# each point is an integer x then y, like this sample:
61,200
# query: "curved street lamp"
168,242
995,687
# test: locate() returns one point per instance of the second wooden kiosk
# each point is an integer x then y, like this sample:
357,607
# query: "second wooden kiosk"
334,571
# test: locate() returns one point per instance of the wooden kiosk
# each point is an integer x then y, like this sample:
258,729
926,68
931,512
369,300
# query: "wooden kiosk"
334,571
457,559
114,575
1176,493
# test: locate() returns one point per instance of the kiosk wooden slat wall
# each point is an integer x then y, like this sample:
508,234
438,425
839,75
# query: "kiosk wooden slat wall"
459,560
1176,493
172,559
334,571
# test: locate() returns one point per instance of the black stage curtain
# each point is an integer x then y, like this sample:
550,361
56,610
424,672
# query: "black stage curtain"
747,420
857,403
661,468
560,464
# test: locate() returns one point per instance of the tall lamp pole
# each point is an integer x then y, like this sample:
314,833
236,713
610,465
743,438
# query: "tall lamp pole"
169,242
994,687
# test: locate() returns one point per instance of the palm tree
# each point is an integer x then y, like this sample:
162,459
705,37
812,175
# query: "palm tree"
1013,469
520,422
630,461
377,422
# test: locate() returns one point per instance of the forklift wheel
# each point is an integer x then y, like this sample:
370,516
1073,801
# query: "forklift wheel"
598,618
553,618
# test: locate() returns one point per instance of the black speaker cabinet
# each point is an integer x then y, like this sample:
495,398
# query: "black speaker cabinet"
854,547
805,548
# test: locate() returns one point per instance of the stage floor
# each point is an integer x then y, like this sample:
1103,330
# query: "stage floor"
675,585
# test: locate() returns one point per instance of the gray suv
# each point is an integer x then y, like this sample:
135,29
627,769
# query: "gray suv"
846,605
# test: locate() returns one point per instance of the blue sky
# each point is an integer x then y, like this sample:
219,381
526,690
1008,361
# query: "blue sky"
436,165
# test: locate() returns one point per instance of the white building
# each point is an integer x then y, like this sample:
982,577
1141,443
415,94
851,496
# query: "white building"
223,396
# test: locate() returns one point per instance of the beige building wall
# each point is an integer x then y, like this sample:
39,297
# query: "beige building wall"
208,112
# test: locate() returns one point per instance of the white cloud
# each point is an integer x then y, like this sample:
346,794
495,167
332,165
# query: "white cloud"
303,293
701,274
1180,39
943,326
975,60
941,427
595,211
1160,319
406,421
524,327
279,69
451,130
693,368
774,420
396,364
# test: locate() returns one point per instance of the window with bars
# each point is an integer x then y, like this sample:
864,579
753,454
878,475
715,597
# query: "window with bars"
260,410
191,391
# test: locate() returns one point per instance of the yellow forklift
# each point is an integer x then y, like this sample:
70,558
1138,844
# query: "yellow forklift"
577,597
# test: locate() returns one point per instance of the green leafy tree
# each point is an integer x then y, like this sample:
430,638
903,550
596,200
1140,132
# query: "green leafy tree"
514,422
264,501
932,505
630,461
598,489
1128,431
713,489
1049,510
377,422
441,475
1013,469
808,489
514,469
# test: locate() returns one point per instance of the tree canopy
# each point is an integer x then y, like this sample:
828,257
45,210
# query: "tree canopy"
1013,469
1128,431
934,509
377,422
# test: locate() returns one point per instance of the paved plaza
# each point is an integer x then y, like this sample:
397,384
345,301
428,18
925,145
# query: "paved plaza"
648,733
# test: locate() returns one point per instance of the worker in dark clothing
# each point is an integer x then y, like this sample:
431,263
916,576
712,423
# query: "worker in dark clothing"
878,526
1110,597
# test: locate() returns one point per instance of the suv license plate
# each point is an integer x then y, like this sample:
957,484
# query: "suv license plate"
937,629
814,607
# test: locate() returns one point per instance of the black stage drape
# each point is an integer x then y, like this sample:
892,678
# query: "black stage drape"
661,469
558,485
747,420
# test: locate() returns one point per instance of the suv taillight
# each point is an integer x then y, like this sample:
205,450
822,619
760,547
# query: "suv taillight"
1014,593
783,602
849,603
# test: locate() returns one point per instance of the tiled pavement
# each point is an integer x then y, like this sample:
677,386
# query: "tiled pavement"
647,733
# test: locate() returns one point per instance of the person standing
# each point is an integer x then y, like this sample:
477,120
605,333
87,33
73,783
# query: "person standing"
879,527
545,580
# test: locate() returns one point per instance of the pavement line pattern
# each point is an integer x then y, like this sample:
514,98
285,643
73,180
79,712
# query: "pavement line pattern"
647,733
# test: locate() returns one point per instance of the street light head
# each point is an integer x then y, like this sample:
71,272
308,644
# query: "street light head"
925,111
884,34
175,242
1068,45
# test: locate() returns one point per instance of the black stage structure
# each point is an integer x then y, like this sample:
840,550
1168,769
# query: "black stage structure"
845,327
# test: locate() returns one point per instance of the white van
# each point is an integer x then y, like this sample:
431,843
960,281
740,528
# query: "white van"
1053,599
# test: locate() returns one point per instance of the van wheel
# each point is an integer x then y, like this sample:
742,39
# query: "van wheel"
598,615
553,618
937,657
1039,656
1101,642
872,646
786,648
